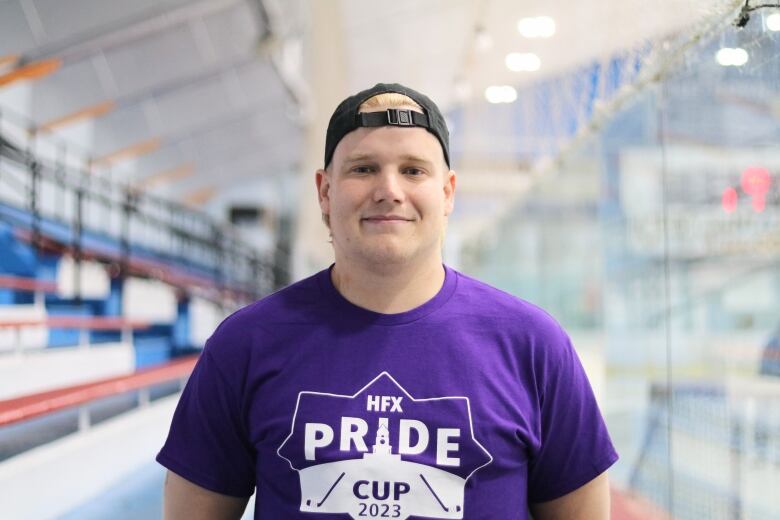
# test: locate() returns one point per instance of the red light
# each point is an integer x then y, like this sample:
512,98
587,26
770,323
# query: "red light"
756,182
729,200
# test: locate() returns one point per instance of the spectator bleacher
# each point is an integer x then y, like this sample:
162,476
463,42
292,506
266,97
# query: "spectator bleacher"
107,295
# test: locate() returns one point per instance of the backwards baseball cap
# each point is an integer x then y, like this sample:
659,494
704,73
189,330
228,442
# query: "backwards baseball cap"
347,117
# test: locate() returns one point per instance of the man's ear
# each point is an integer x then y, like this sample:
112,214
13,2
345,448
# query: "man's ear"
449,191
322,179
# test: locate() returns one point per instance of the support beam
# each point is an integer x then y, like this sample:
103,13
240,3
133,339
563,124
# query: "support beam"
200,196
31,71
124,154
165,177
91,112
9,62
121,33
328,70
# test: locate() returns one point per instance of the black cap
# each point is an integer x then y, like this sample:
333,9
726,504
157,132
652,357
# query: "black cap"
347,118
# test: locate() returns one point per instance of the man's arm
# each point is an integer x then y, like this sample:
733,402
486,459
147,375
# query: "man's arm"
184,500
589,502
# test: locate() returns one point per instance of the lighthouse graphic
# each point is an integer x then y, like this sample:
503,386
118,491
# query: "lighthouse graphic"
382,445
422,455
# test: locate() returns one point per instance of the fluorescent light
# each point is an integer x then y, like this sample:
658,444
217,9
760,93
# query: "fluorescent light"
523,62
500,94
723,56
536,27
739,57
729,57
773,22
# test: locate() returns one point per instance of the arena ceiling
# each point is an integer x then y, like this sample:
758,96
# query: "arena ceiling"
192,97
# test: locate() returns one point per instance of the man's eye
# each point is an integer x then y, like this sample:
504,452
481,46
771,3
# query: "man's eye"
362,169
414,171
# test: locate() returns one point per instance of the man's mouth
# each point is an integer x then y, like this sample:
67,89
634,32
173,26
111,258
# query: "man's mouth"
386,218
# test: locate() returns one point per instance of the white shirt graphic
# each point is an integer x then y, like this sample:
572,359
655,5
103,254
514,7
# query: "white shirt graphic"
381,484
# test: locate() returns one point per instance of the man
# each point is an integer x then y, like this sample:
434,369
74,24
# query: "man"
388,386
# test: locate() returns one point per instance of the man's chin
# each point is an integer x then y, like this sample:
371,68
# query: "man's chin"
383,250
387,255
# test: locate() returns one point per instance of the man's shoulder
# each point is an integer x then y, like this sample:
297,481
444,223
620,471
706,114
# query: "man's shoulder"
485,300
298,298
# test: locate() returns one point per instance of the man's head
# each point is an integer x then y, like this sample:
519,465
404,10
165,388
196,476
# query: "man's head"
387,188
348,115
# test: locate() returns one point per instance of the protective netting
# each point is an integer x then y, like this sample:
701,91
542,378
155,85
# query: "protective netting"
650,230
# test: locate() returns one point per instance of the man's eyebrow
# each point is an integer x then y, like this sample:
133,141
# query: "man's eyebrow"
416,158
370,157
359,157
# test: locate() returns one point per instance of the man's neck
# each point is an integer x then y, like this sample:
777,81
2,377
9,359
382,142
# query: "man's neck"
390,291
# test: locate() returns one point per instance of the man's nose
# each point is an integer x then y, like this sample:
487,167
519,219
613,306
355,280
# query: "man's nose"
388,186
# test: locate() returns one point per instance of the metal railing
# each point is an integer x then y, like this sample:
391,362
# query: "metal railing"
33,420
57,200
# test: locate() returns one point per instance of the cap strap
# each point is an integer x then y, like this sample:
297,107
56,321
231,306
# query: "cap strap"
394,117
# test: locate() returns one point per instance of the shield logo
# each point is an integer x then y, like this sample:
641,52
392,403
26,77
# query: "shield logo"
381,453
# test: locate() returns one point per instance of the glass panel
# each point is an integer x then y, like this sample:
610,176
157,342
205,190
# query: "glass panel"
720,160
656,243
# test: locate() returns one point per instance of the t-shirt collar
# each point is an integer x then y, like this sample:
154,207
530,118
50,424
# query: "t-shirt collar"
346,310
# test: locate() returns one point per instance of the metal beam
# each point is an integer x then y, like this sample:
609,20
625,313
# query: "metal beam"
165,177
199,196
9,62
214,125
91,112
229,177
136,150
31,71
81,46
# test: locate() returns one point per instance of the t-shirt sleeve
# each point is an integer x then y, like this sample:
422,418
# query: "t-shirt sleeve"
574,443
207,443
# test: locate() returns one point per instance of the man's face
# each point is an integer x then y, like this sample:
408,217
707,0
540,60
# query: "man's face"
387,193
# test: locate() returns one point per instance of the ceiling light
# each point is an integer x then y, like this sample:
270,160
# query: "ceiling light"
729,57
500,94
536,27
523,62
773,22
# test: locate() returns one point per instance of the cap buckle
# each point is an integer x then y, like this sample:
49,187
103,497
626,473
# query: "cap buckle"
399,117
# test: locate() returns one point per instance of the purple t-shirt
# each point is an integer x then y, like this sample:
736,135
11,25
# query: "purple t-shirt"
472,405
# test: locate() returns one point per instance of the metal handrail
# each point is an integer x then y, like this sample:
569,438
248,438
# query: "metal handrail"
192,237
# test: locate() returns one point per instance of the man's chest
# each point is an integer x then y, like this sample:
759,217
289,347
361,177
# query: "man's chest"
391,434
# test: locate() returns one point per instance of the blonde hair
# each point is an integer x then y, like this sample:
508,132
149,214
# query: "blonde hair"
388,100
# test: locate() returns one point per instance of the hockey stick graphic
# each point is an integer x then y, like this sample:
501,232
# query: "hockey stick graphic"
331,489
434,493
